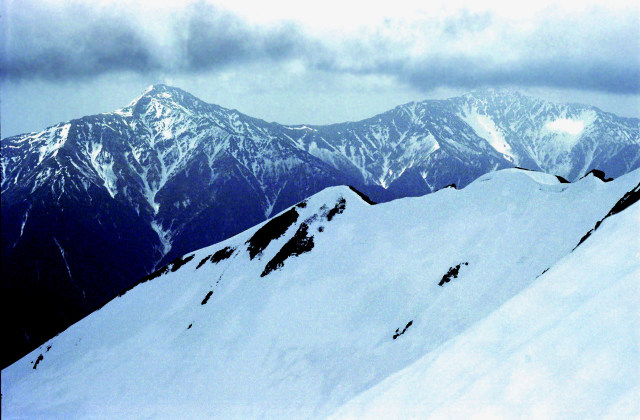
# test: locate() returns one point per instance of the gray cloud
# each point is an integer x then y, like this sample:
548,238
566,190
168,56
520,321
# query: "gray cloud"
76,41
466,72
216,39
68,43
595,50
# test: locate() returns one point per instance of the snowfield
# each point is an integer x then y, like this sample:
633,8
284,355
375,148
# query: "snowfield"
461,303
565,347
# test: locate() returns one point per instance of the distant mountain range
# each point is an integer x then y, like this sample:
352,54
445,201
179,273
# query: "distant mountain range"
92,205
514,297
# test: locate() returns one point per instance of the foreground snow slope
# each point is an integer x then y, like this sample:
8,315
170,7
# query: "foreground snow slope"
247,328
565,347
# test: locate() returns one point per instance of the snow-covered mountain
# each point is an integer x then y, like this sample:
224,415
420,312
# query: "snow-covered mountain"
473,301
91,205
433,143
567,140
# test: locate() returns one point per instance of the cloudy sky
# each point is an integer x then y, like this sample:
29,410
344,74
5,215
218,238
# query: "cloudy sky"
311,62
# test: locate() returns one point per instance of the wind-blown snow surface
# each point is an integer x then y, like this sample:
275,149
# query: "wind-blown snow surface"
565,347
316,335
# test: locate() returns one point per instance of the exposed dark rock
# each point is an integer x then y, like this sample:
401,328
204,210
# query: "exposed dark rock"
202,261
189,327
38,360
560,178
206,298
172,266
302,204
598,174
180,261
223,254
630,197
586,235
364,197
627,200
399,333
298,244
218,256
340,206
155,274
447,186
452,273
271,230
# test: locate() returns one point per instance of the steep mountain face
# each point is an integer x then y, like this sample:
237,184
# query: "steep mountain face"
169,174
421,147
131,190
462,301
456,140
567,140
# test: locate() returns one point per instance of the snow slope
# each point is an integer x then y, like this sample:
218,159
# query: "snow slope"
565,347
377,295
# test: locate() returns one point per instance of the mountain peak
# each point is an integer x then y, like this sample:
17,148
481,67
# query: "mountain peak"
161,88
162,91
494,93
163,96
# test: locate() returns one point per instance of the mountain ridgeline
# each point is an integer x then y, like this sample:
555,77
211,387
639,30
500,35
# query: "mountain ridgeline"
455,303
92,205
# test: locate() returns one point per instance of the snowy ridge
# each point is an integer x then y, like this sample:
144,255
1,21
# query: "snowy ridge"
337,303
560,348
169,173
